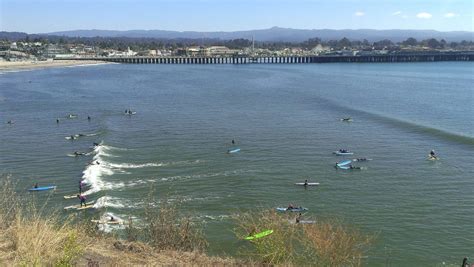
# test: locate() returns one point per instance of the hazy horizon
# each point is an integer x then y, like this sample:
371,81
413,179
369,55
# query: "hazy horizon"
254,29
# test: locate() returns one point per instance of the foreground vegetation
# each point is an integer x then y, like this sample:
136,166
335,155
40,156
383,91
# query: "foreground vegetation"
31,235
320,243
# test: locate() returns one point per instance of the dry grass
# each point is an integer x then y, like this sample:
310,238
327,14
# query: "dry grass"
112,252
334,244
167,229
30,237
319,244
277,248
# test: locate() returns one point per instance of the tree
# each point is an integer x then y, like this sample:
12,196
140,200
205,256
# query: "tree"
410,41
344,42
310,43
383,44
432,43
442,43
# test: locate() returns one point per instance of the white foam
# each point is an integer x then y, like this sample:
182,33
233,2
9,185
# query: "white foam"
94,172
137,166
138,182
199,176
89,64
107,147
107,201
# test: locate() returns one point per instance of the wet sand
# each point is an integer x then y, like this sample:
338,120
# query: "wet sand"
25,65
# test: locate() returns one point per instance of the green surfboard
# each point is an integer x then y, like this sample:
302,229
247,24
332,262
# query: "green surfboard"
259,235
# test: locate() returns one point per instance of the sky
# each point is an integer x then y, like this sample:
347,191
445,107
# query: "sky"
43,16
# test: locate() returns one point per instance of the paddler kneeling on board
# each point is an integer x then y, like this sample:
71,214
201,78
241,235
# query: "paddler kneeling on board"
83,200
253,231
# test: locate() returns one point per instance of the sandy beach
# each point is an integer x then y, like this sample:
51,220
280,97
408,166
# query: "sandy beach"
26,65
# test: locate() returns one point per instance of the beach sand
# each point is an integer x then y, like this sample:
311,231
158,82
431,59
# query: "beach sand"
26,65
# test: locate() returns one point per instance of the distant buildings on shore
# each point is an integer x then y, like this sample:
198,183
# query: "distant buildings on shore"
18,51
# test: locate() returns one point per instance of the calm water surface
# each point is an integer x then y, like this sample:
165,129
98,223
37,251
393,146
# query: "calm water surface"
285,119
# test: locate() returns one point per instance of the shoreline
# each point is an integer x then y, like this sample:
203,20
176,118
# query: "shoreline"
7,66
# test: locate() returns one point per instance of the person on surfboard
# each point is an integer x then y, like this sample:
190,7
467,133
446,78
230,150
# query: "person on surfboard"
83,200
81,185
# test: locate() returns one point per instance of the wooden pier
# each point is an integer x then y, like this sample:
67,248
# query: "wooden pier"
243,59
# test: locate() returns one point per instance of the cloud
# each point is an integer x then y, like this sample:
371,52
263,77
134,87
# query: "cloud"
424,15
359,13
396,13
450,15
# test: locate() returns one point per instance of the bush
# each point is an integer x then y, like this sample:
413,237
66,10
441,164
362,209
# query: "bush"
166,229
28,237
321,243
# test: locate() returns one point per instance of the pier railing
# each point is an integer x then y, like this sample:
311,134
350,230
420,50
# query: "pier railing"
303,59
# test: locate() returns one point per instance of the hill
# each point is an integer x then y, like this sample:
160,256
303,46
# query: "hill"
279,34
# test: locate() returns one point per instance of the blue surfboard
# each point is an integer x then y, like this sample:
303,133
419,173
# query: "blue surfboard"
345,162
233,150
43,188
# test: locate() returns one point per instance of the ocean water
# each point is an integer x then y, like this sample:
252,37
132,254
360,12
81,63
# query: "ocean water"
285,119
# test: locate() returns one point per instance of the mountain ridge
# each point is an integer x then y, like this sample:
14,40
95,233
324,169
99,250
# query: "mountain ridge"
278,34
274,34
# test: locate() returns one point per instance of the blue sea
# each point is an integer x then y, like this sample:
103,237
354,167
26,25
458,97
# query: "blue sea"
285,118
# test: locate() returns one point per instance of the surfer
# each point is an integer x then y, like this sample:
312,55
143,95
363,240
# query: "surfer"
432,154
82,199
36,185
290,207
253,231
57,120
305,183
233,141
95,144
81,185
89,118
354,167
298,218
10,122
